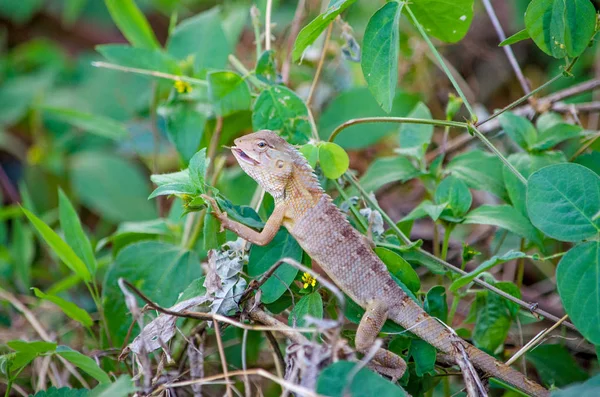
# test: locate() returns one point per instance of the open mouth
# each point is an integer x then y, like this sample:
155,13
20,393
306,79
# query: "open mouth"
240,154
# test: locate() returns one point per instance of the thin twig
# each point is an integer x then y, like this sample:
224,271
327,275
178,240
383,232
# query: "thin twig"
268,25
315,81
285,68
153,73
223,359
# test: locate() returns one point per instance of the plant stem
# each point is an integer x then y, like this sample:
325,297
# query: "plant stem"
315,81
356,214
246,74
446,242
349,123
256,25
268,25
441,62
153,73
455,301
521,266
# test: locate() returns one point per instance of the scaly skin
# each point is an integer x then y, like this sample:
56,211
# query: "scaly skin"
323,231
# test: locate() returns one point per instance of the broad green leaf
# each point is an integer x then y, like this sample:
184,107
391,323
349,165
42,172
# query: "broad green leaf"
358,102
578,281
60,248
426,208
310,305
69,308
36,347
447,20
418,257
456,194
132,23
84,363
266,68
111,186
159,269
492,324
20,11
18,93
228,92
197,169
365,383
415,138
379,59
310,32
561,28
241,213
556,134
436,303
173,188
211,237
262,258
385,170
62,392
74,234
19,360
196,288
484,267
333,159
202,39
280,110
515,38
519,129
311,153
590,388
399,268
93,123
122,387
182,176
562,199
555,365
480,171
526,164
548,120
185,126
590,160
154,59
506,217
424,355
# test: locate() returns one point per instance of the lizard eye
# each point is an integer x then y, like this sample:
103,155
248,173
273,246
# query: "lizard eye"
261,144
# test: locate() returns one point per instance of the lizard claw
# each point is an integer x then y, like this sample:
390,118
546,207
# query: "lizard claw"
216,211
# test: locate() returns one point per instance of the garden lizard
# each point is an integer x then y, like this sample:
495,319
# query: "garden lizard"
346,256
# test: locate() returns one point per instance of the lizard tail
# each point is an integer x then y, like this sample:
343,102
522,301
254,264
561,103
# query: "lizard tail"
416,320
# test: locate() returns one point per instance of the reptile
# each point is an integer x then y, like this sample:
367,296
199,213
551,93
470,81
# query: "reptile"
346,256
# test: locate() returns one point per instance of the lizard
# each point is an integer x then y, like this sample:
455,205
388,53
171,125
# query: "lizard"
345,255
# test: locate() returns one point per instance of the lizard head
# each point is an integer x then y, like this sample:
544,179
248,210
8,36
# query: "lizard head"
267,158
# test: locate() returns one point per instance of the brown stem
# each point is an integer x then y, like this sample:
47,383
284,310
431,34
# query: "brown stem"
319,66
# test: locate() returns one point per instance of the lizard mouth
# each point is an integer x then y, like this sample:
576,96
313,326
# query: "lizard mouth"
241,155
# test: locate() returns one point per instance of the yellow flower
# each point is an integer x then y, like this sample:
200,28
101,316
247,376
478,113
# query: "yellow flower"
183,87
307,279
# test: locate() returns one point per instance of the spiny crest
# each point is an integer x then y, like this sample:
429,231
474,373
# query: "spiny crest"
303,171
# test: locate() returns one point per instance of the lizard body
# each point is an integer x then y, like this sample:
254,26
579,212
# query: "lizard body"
323,231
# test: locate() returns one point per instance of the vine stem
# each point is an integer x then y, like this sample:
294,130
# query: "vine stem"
349,123
254,14
268,25
168,76
441,62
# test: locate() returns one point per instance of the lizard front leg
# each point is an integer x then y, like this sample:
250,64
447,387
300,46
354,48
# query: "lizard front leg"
388,363
259,238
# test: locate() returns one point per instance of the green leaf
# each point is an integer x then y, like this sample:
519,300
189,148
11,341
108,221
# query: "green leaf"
333,159
62,392
385,170
241,213
484,267
74,234
365,383
447,20
578,281
515,38
424,355
561,28
20,11
358,102
228,92
22,250
379,58
177,189
202,39
95,124
426,208
311,305
70,309
492,324
84,363
122,387
132,23
266,68
211,237
436,303
196,288
557,134
182,177
185,126
415,138
555,365
310,32
310,153
111,186
262,258
590,388
280,110
519,129
456,194
62,249
526,164
37,347
197,169
399,268
562,200
506,217
480,171
154,59
159,269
